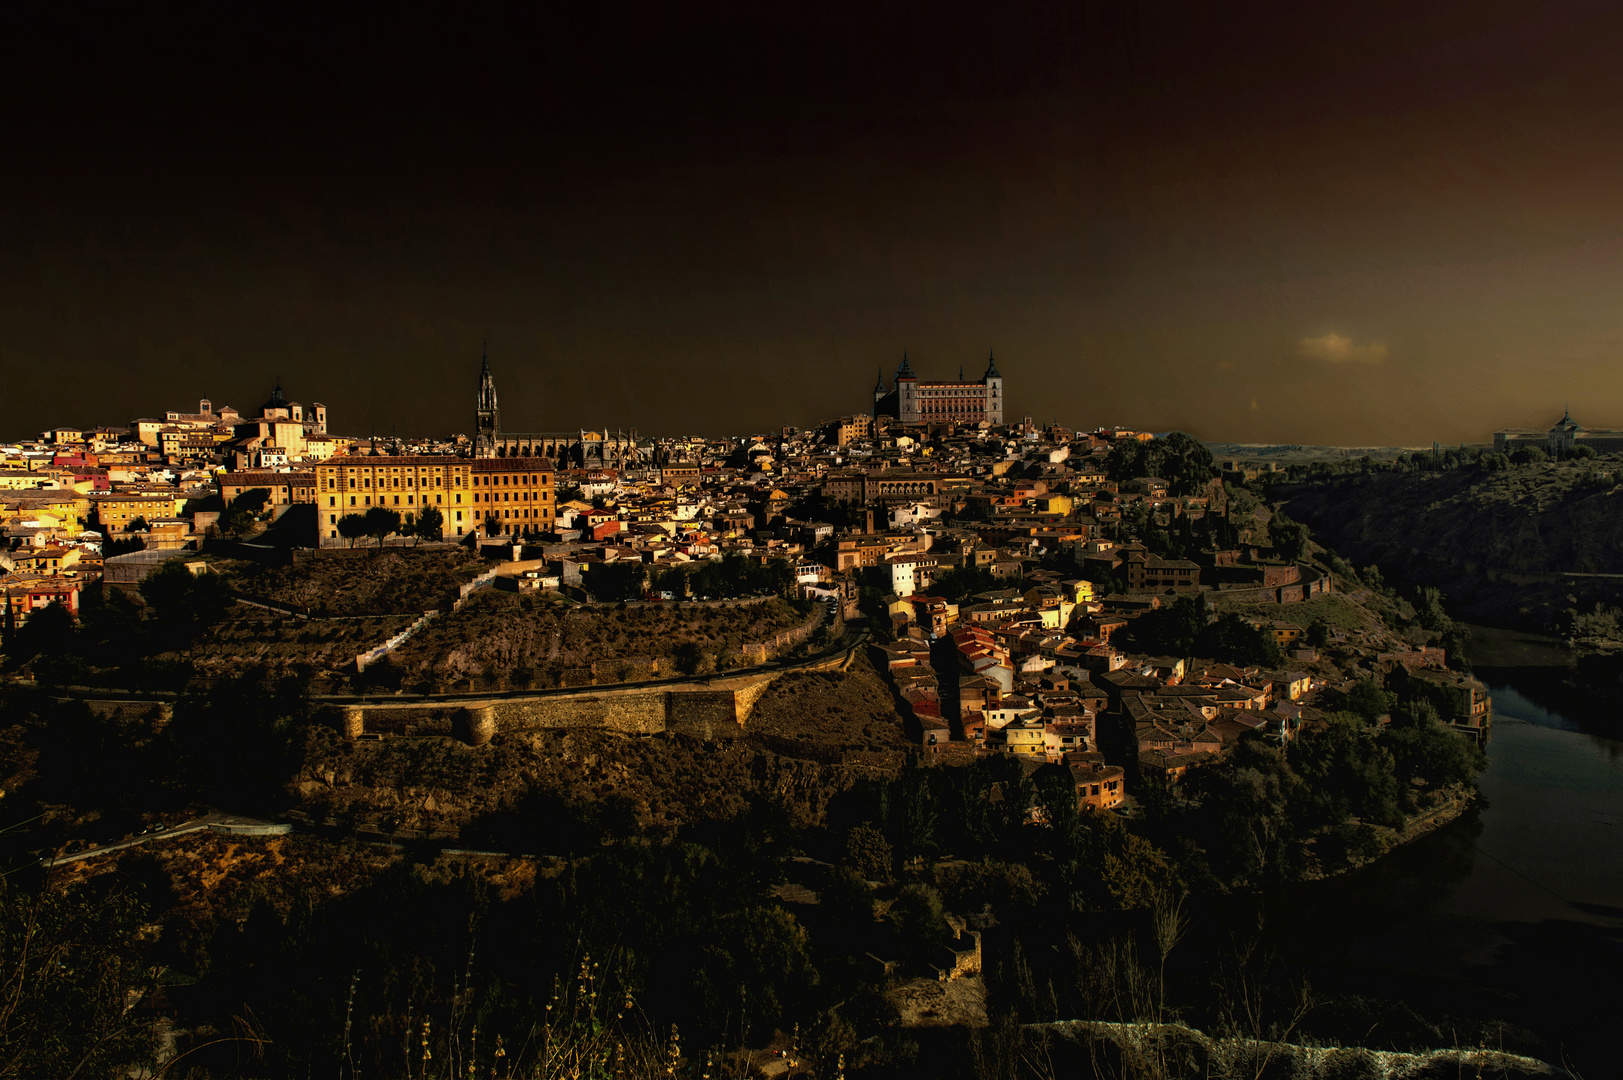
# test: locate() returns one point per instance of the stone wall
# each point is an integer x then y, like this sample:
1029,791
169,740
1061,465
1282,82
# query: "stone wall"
1310,582
716,709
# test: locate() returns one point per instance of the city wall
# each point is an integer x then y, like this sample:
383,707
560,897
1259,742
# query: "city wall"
1306,583
709,709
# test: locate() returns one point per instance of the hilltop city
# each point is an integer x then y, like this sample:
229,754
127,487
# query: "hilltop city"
901,674
1032,550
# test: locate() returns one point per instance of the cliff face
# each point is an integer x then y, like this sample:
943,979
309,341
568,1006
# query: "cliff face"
1507,546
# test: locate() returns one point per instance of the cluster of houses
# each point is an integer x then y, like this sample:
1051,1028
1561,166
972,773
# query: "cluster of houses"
867,510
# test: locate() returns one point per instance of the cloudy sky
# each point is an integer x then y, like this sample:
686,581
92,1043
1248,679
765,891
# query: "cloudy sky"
1372,223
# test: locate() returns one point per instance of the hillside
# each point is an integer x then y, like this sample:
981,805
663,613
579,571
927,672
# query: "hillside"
810,736
1510,546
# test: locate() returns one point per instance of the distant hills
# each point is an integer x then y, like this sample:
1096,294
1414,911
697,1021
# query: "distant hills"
1292,452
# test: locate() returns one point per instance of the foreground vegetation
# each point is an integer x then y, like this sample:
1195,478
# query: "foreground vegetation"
734,896
641,907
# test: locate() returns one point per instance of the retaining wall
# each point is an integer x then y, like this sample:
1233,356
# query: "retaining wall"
716,709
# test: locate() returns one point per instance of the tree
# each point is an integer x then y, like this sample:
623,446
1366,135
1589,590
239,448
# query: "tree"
381,522
1529,455
352,527
49,631
1347,773
184,602
619,580
235,521
920,922
846,898
688,657
1289,537
868,853
1233,640
493,525
1428,608
251,501
137,525
1423,748
430,524
1368,701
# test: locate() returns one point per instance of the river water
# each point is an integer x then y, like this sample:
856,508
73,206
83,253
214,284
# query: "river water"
1513,913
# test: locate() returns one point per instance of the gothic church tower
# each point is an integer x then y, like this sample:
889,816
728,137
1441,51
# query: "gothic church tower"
489,416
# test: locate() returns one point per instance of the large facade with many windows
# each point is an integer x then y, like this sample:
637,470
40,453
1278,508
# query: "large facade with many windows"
514,495
916,401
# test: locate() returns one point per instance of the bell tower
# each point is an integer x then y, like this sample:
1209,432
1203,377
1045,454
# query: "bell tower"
488,424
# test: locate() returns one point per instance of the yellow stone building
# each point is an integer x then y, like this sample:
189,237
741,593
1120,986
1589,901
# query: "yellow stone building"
116,510
518,492
285,488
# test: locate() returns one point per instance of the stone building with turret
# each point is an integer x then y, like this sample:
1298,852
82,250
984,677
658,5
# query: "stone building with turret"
912,400
1561,440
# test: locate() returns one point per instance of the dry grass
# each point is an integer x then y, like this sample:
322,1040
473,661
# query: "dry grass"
395,581
502,640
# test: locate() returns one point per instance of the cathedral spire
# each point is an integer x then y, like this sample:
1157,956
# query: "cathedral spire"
487,415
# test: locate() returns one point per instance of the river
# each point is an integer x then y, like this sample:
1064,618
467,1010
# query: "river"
1514,912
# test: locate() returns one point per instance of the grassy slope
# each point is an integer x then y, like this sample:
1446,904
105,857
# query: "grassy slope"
501,633
395,581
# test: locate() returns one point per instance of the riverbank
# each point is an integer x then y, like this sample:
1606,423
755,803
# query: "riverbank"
1456,802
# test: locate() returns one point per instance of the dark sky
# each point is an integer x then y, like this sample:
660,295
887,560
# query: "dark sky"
1371,223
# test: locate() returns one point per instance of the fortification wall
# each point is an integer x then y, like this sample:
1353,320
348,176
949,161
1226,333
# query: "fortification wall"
716,710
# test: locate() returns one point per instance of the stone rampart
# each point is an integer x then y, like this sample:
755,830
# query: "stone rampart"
1310,582
714,709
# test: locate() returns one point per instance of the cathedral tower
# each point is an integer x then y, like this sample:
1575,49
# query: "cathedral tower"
488,424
